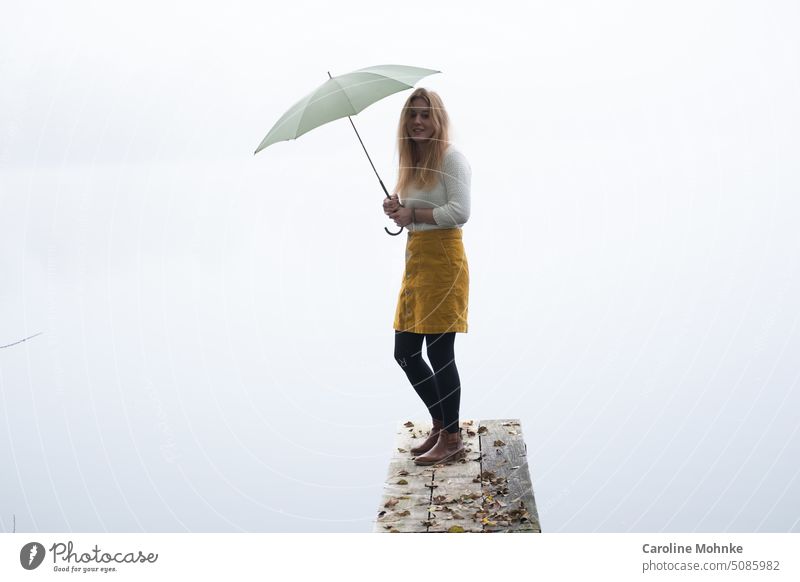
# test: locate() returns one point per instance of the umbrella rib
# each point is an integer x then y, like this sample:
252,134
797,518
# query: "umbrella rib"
302,115
346,96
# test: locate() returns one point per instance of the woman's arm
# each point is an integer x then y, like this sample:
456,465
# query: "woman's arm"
404,216
424,215
457,177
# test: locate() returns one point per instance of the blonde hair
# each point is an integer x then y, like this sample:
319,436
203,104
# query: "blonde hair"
419,169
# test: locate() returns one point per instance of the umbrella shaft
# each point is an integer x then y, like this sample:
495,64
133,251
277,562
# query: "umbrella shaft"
369,158
365,150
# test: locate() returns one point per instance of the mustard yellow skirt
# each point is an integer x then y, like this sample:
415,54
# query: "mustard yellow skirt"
434,296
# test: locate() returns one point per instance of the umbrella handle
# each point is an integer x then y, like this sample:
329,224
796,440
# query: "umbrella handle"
387,195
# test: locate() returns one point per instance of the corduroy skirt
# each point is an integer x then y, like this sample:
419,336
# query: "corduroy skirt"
434,296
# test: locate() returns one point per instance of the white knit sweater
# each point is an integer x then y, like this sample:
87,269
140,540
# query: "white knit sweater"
450,198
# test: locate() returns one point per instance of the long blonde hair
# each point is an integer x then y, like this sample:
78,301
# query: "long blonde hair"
418,169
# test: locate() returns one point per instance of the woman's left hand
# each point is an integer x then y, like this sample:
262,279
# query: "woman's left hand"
402,216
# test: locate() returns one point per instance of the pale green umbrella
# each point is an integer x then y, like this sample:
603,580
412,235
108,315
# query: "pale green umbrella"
344,96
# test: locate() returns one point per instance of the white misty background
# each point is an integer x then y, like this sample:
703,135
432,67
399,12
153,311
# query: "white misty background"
216,348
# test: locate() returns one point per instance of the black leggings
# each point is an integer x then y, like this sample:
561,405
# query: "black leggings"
440,390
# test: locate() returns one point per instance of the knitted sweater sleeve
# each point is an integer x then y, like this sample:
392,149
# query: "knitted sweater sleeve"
457,175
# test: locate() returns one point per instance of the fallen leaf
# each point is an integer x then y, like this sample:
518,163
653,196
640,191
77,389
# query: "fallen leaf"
403,473
471,433
403,513
482,430
402,482
456,529
401,450
409,424
499,443
391,503
485,521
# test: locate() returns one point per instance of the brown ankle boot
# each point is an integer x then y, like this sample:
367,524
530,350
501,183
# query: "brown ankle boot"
427,445
448,448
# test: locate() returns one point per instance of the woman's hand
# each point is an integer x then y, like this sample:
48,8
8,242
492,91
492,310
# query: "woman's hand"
391,204
402,216
391,207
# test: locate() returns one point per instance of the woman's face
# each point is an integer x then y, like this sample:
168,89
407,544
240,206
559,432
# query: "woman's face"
419,124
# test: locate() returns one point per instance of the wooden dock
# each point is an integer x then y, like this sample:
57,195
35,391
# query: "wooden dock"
488,491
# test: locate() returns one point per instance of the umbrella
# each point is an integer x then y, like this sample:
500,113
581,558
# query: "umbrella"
344,96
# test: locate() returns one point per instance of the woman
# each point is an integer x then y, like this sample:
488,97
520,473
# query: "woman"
433,203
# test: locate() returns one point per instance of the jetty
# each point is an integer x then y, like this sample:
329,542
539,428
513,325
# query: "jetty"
488,491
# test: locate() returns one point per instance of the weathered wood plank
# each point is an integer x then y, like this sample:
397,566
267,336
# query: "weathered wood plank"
508,502
454,503
407,493
456,493
403,513
407,467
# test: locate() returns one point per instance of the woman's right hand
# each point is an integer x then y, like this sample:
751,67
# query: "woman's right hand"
390,204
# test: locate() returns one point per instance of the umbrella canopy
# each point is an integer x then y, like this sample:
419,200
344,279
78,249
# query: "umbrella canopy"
342,96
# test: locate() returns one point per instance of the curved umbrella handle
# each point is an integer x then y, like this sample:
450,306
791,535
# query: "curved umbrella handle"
387,195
